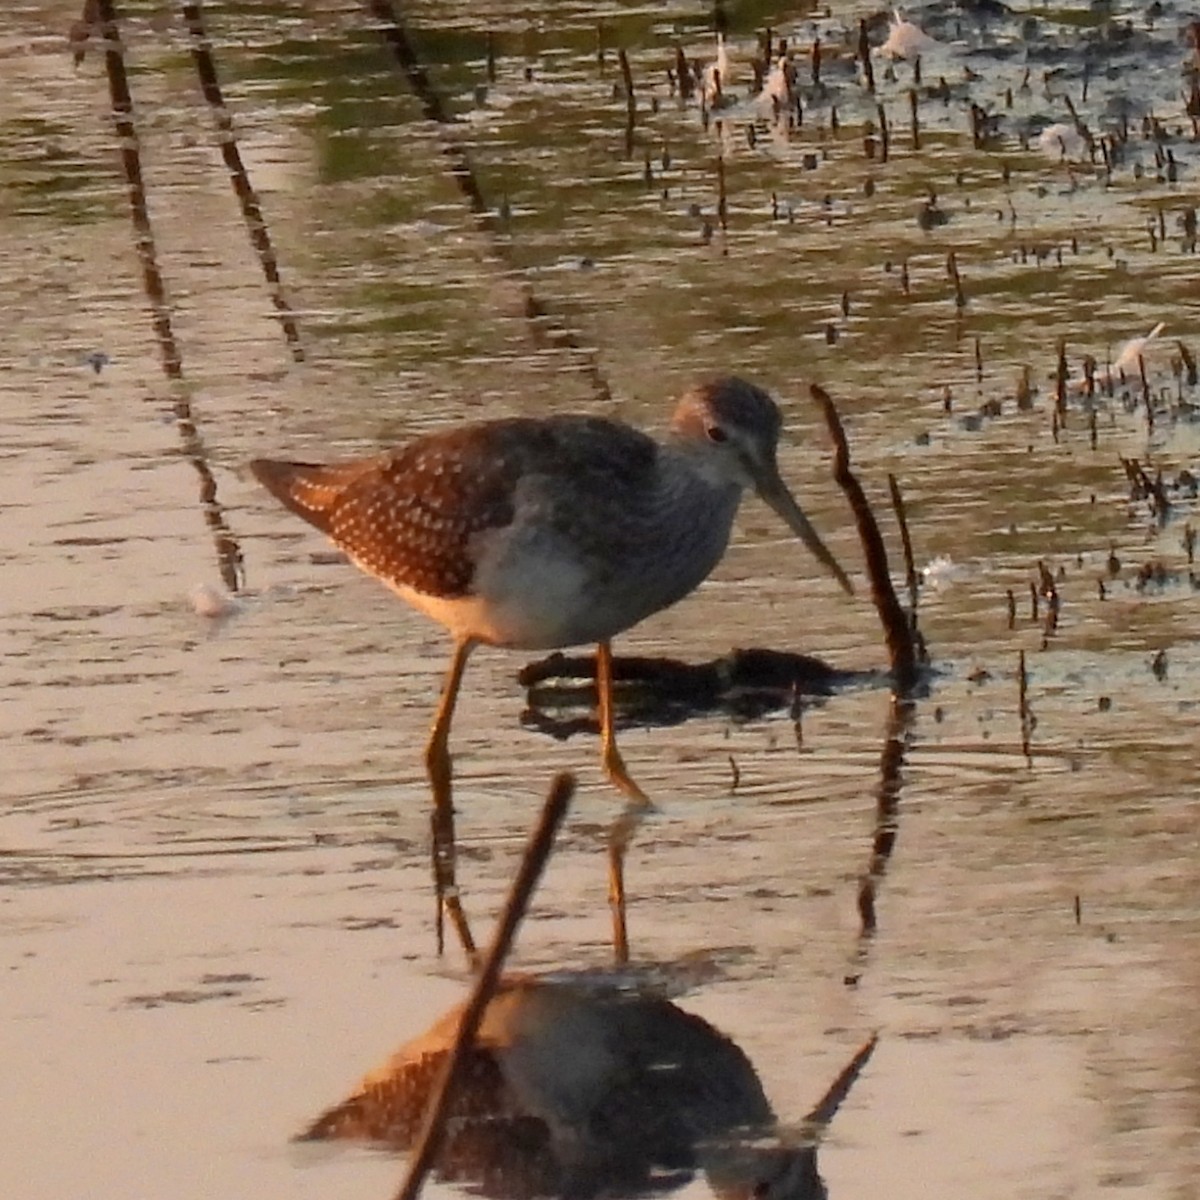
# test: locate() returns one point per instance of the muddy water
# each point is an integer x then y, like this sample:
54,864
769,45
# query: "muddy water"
214,909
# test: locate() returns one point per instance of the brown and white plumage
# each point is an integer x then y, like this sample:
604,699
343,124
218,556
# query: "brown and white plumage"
575,1089
543,533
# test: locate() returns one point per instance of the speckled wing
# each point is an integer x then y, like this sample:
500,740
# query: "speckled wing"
410,516
407,516
487,1141
390,1105
568,1092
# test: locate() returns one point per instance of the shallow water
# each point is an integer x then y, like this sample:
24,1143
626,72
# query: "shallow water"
215,908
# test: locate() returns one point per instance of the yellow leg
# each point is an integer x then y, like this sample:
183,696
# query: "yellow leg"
437,763
624,827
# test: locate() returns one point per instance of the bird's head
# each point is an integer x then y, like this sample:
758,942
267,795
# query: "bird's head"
766,1172
730,428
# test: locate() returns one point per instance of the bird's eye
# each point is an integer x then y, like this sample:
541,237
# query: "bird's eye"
716,434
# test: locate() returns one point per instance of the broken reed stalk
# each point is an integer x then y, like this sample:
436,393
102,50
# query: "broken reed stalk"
538,850
630,100
1023,708
1089,377
864,56
1060,379
865,901
1155,492
887,805
544,329
722,198
627,82
898,633
1142,487
825,1109
1189,363
960,299
1146,398
131,161
683,74
252,214
82,29
1080,128
916,125
229,552
910,570
1049,589
396,36
885,135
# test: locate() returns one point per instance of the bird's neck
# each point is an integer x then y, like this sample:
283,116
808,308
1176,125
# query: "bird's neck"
689,466
689,484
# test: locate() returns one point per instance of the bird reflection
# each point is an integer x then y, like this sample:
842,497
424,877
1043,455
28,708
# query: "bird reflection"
576,1089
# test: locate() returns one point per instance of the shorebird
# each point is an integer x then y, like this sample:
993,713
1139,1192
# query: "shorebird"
542,533
575,1090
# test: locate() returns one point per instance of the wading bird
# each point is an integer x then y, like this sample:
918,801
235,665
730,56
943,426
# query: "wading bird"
541,533
575,1090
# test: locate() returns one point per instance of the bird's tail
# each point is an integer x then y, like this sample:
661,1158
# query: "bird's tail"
310,490
350,1119
388,1106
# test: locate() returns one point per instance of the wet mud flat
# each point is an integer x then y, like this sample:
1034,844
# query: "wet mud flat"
215,905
